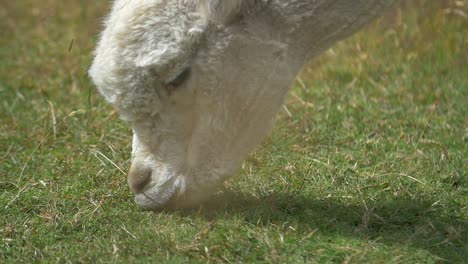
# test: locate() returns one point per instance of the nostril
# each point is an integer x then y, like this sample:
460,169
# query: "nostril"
138,178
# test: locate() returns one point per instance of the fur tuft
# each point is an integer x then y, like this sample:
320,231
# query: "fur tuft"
219,10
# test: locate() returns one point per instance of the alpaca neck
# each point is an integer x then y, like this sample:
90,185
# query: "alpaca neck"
312,26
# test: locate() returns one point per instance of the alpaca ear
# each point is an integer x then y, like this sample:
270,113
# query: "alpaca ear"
219,11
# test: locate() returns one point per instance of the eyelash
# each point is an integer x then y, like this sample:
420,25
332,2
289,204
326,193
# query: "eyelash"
179,80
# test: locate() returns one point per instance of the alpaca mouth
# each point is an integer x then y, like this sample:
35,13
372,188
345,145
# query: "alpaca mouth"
172,194
157,197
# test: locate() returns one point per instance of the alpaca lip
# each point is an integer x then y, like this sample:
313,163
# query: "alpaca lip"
156,196
148,202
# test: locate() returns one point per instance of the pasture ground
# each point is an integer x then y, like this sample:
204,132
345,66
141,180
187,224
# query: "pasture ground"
366,163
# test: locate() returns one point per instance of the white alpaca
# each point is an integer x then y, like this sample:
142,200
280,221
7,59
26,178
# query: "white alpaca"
201,82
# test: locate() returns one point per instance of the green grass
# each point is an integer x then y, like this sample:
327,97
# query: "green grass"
367,165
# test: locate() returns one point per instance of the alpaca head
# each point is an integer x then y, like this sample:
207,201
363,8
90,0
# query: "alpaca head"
199,86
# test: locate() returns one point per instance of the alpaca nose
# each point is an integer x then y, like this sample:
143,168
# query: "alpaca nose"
138,177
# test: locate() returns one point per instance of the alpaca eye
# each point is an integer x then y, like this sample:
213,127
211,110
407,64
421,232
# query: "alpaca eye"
179,79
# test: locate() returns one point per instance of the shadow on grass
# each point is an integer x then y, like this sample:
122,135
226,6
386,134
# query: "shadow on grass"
409,222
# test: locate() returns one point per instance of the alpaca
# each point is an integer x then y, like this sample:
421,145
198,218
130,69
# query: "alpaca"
200,81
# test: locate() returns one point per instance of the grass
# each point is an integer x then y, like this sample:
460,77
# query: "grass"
368,163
